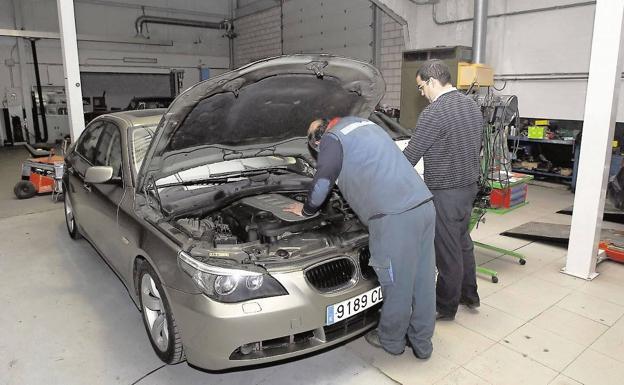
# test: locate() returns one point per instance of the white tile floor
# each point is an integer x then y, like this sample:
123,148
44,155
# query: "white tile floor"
66,319
536,326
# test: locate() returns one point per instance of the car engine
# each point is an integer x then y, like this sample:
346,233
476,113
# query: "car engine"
258,228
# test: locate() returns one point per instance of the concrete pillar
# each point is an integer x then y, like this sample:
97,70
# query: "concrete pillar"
603,87
73,86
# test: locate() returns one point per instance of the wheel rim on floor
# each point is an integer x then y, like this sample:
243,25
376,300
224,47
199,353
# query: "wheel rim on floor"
69,215
154,313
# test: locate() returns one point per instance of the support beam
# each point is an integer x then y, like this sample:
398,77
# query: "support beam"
598,126
69,47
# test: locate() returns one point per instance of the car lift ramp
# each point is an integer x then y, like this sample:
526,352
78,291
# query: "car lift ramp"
549,232
611,213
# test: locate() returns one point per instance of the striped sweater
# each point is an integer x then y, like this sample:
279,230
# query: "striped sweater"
448,135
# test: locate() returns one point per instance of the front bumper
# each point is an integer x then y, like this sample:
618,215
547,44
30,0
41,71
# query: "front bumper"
268,329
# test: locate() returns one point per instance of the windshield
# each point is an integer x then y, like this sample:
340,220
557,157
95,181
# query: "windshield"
141,138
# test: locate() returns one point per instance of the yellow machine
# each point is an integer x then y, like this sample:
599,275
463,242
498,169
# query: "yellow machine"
474,74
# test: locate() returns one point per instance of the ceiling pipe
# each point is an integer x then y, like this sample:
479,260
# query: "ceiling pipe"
514,13
479,31
145,19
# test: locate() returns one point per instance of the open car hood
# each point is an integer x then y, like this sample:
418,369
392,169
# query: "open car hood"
260,109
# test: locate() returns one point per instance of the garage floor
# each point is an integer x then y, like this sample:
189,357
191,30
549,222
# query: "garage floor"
67,319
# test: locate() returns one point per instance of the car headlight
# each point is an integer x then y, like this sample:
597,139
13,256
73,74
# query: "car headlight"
229,285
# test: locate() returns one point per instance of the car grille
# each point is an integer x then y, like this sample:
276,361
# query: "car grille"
357,322
309,339
367,271
331,275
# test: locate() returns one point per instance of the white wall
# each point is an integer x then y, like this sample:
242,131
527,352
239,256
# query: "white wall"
169,47
547,42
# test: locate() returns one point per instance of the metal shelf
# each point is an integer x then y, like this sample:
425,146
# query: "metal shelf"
542,173
546,141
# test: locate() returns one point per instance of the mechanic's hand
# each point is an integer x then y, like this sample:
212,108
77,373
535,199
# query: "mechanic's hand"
295,208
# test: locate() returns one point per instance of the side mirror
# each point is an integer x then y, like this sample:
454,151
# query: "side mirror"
98,174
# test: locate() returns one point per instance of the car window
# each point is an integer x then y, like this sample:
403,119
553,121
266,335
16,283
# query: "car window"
115,159
108,149
102,150
88,141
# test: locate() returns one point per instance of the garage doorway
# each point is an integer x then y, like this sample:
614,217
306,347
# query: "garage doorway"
119,88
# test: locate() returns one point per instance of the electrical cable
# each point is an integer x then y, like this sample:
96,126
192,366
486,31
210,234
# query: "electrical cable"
495,156
502,88
148,373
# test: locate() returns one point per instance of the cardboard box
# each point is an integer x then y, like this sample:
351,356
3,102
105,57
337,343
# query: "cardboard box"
537,132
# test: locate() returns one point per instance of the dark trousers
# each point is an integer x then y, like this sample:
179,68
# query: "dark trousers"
454,249
403,257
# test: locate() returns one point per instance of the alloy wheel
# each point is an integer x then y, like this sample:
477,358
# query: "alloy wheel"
69,216
154,313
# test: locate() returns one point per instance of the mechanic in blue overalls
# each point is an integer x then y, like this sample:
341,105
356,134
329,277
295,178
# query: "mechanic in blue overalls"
390,198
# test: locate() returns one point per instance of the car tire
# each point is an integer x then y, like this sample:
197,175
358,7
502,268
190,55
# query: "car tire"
70,219
24,189
158,319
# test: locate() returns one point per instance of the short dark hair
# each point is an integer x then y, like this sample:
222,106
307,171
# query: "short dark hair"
317,134
435,68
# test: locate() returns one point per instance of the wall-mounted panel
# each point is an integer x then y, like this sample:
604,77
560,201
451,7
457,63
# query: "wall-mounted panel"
338,27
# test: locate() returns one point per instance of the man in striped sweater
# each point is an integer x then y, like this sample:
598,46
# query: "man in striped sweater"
448,136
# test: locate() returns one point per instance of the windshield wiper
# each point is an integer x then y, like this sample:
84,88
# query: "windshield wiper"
272,148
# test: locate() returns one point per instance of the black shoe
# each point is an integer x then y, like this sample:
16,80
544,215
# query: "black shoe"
470,304
421,356
372,338
444,317
417,355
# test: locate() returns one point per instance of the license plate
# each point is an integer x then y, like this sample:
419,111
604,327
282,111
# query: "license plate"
345,309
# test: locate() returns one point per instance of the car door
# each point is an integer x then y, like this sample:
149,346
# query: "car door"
77,162
104,198
130,230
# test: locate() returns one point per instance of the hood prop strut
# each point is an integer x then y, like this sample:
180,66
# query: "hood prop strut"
152,186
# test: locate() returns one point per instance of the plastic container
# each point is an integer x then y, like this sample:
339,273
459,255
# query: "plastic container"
509,197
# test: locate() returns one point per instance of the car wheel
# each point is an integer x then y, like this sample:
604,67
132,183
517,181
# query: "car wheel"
24,189
70,219
158,318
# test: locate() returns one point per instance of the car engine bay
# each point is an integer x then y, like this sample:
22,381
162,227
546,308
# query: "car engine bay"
256,229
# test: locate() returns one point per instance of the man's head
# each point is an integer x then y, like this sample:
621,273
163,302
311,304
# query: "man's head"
432,78
315,132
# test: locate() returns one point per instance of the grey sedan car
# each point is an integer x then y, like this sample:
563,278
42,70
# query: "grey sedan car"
187,207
